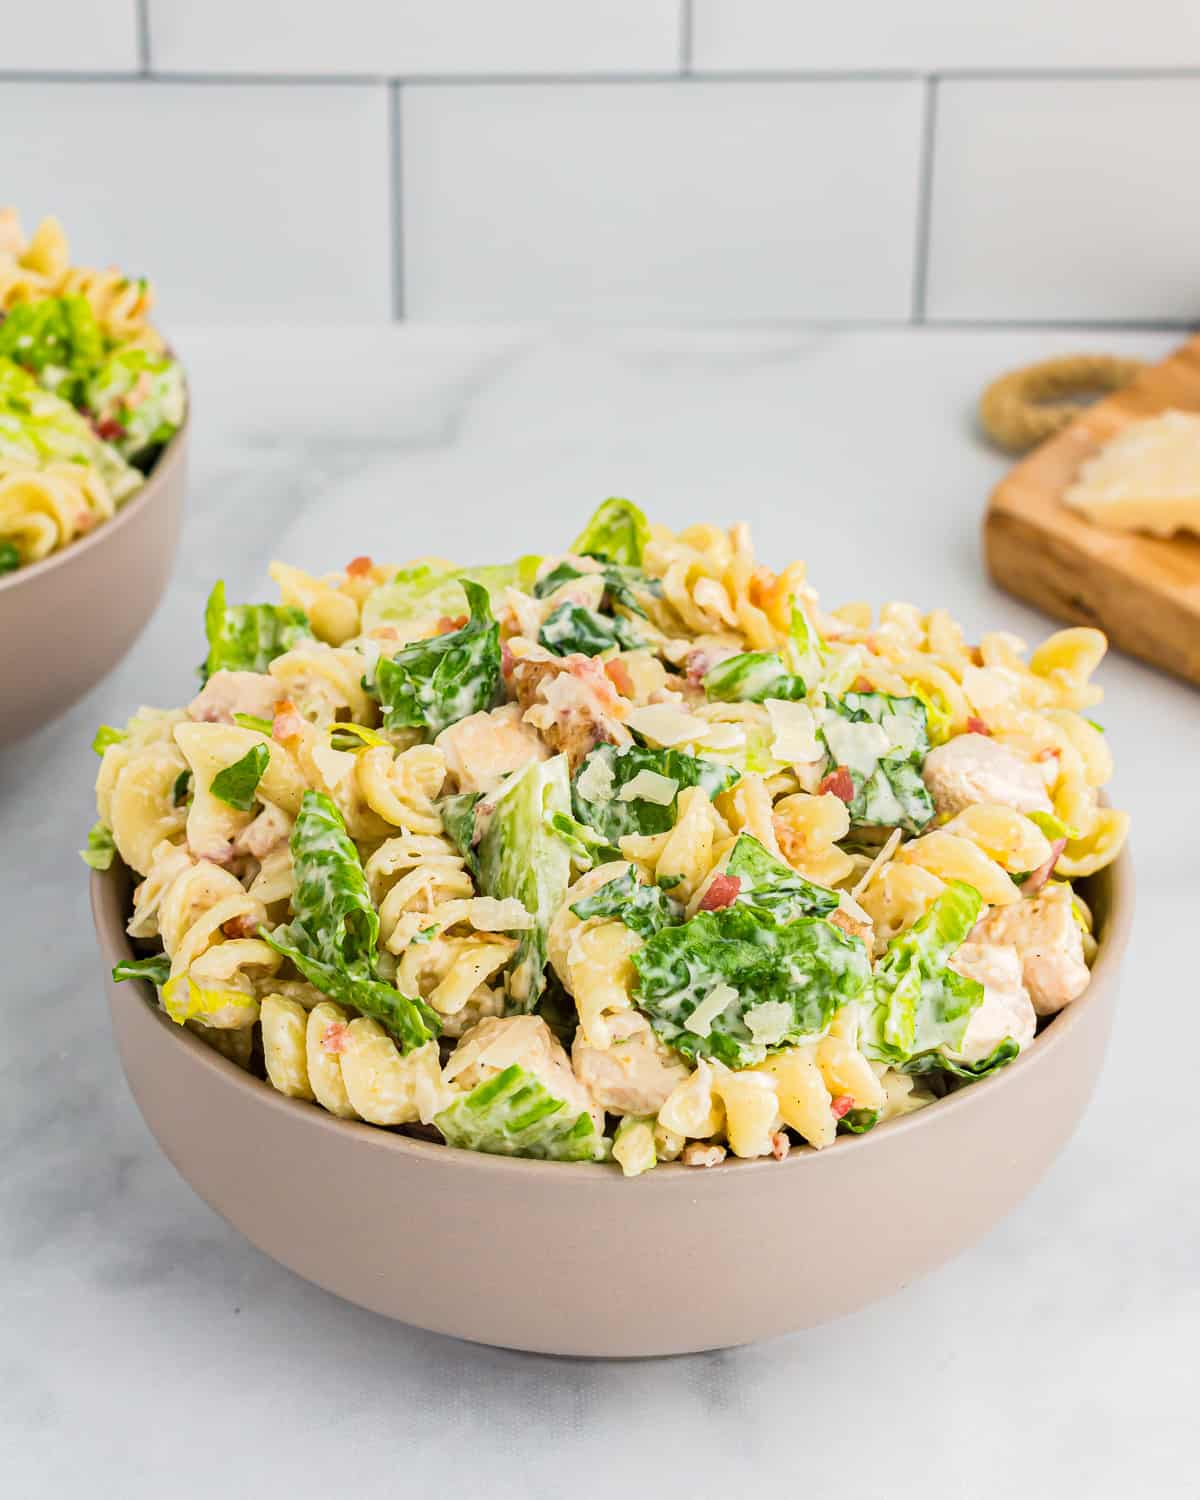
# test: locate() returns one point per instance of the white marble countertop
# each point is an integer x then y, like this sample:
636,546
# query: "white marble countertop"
148,1351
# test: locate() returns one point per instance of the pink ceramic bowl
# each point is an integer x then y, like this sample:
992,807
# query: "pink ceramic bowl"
566,1259
77,612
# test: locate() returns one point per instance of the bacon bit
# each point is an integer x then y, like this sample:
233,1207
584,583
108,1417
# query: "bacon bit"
863,685
1051,752
84,521
842,1105
506,659
385,633
696,667
109,429
722,891
1039,877
288,721
240,927
333,1038
977,726
590,670
451,622
839,783
780,1145
359,567
618,674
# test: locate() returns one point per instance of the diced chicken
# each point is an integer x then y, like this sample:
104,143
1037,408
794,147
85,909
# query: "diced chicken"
1006,1011
500,1041
635,1074
974,768
267,831
572,701
229,693
482,749
1048,939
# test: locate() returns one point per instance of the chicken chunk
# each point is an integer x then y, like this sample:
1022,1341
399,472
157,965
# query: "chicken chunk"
572,701
500,1041
482,749
973,768
228,693
1006,1011
635,1074
265,833
1049,941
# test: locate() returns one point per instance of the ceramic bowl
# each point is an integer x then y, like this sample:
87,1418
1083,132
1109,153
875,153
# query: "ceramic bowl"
68,620
575,1259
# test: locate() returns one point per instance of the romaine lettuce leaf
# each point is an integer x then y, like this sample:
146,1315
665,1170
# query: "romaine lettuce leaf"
571,627
587,847
645,909
613,817
458,819
100,848
235,785
248,637
888,790
10,557
621,585
751,677
421,590
938,1062
157,969
434,683
518,853
57,339
717,970
513,1114
617,533
138,400
918,1003
105,736
859,1121
768,883
808,651
333,933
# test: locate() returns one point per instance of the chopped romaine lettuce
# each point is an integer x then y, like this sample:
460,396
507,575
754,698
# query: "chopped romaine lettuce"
252,721
615,816
807,649
766,882
100,848
138,400
236,785
334,930
1052,825
751,677
571,627
105,736
859,1121
643,908
421,591
513,1114
633,1145
698,983
621,585
918,1003
355,737
10,557
969,1072
182,788
434,683
939,715
882,741
156,969
248,637
458,819
57,339
617,533
587,847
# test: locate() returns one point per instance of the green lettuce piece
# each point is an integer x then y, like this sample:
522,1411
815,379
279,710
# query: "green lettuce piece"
105,736
768,883
58,340
939,715
431,684
891,794
571,627
938,1062
919,1004
334,930
38,427
807,649
803,970
252,721
1052,825
459,821
624,586
10,557
156,969
752,677
138,400
513,1114
645,909
613,819
617,533
587,848
417,592
519,853
181,791
236,785
100,848
248,637
859,1121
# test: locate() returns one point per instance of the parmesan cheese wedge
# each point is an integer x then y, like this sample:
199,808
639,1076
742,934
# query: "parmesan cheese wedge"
1146,479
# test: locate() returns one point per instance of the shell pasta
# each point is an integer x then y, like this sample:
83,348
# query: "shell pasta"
628,853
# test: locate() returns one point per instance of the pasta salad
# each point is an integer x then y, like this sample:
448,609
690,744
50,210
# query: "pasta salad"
630,852
88,395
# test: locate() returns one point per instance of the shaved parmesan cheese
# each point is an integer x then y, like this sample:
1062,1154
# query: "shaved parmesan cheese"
878,862
667,725
850,906
795,732
857,746
722,737
487,914
650,787
334,765
769,1022
701,1019
595,782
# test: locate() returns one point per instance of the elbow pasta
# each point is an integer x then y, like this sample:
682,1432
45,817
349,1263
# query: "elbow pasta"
428,871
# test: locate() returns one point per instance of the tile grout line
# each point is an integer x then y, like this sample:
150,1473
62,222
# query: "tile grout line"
142,17
396,200
924,200
685,37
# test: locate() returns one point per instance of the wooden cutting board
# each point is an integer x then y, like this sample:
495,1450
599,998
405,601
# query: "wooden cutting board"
1143,592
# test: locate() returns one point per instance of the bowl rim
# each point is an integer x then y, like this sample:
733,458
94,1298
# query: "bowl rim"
167,460
114,945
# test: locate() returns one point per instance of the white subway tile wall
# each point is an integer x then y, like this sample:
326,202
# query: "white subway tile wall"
416,37
649,160
721,202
